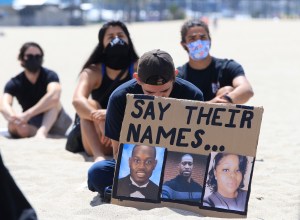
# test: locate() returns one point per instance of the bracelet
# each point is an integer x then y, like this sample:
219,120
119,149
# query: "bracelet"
228,98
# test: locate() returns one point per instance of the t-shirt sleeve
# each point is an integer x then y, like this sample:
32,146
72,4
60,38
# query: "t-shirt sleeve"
52,77
181,71
114,116
232,70
10,88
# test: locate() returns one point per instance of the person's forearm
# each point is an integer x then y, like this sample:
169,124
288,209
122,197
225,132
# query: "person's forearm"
115,145
83,108
7,111
241,94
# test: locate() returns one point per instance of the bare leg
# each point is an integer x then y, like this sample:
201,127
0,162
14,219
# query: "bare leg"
49,119
91,136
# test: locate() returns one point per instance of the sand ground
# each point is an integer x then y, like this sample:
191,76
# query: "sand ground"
54,180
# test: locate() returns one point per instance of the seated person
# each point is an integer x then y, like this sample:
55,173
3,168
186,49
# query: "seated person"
220,80
111,63
38,90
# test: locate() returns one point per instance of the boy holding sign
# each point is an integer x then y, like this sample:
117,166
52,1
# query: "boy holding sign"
156,76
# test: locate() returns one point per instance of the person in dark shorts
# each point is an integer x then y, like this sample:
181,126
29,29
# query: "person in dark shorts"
38,91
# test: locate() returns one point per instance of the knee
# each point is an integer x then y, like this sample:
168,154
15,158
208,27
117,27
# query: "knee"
100,175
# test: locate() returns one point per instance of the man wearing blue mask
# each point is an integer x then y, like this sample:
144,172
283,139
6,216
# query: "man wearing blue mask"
220,80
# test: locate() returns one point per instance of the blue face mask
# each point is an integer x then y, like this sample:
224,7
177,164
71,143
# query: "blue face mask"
199,49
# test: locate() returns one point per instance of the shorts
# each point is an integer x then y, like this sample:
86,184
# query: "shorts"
59,127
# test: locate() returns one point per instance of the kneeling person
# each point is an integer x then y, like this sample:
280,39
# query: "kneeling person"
156,76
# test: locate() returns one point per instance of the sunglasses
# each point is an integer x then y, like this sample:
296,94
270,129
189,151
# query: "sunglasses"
31,56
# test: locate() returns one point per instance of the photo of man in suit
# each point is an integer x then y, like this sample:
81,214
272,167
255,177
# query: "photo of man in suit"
137,184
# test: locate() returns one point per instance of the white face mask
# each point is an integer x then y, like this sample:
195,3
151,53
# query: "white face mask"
199,49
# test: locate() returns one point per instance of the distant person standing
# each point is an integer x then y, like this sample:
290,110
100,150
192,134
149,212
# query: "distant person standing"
220,80
38,90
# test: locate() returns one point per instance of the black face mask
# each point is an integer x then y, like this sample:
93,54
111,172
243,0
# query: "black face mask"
33,63
116,54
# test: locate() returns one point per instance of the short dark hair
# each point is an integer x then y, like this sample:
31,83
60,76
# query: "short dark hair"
97,55
156,67
193,23
212,182
135,146
25,46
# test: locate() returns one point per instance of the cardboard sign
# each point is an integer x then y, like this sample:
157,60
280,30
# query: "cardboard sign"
186,154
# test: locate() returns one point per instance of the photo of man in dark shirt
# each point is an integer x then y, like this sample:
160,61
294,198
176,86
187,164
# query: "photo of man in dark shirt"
183,187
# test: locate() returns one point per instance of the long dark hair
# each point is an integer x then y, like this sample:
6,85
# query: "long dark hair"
212,182
97,55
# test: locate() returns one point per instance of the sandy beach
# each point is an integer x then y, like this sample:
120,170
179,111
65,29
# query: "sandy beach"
54,180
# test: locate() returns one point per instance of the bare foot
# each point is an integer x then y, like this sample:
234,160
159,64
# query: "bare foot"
40,135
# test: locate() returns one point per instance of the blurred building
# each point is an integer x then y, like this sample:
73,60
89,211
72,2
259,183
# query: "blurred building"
79,12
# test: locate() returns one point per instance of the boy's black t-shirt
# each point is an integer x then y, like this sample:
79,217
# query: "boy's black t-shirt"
219,73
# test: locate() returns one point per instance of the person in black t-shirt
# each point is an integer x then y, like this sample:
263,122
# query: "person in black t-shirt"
37,90
112,63
220,80
156,76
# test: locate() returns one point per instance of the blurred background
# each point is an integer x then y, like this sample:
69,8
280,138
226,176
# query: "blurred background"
83,12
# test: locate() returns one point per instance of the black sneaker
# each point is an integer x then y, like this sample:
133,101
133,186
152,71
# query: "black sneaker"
107,194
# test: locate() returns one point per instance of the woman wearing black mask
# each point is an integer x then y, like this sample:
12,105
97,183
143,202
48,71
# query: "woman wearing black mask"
112,63
37,89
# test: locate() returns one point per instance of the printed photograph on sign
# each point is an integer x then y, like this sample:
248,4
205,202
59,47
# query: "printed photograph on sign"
228,181
184,178
138,174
